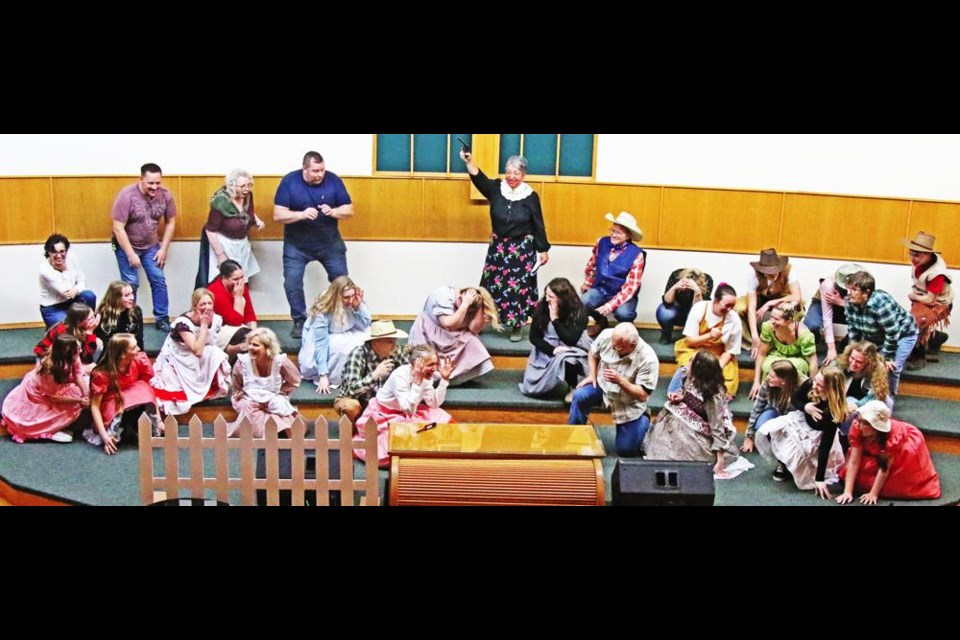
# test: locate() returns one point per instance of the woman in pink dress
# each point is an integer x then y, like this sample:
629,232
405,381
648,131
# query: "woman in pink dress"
263,379
887,459
409,395
51,397
451,322
120,393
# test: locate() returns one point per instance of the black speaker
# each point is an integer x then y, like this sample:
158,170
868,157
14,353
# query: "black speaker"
645,483
309,473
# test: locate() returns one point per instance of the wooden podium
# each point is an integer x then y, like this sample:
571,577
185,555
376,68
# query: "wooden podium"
495,464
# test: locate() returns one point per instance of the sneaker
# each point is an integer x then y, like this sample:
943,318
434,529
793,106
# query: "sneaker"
61,436
780,473
516,335
162,325
297,331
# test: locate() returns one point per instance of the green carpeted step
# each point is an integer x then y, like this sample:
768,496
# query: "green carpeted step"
756,487
80,473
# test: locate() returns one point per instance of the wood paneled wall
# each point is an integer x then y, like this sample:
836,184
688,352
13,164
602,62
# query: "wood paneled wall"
417,209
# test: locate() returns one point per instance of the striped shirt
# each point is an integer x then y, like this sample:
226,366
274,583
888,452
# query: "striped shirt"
882,321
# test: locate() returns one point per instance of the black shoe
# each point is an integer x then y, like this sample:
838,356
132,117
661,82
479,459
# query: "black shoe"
297,331
666,338
162,325
916,365
780,473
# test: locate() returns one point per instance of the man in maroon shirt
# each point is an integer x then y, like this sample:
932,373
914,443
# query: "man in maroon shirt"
231,301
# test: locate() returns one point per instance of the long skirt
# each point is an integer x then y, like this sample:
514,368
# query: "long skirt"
383,416
471,359
790,440
509,277
544,373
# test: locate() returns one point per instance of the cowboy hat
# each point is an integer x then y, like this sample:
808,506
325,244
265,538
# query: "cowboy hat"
384,329
844,272
877,414
922,242
628,222
770,263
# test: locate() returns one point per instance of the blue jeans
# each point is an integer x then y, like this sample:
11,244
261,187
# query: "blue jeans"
295,261
670,316
593,298
57,312
904,349
158,283
630,434
762,419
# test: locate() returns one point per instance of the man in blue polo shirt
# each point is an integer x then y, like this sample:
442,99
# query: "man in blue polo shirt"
309,202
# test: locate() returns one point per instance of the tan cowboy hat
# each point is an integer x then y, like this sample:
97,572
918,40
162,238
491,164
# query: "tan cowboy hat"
384,329
922,242
844,272
770,263
877,414
626,221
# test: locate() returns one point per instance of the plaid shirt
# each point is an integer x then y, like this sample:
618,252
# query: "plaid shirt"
357,379
882,321
629,288
640,367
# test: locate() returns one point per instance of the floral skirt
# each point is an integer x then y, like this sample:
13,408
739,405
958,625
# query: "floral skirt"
507,276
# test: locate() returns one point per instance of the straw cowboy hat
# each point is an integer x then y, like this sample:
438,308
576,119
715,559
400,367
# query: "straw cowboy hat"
922,242
627,221
770,263
844,272
384,329
877,414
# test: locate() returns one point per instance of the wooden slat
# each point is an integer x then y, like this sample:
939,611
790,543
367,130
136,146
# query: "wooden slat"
220,458
838,227
171,461
196,458
297,467
371,472
146,459
322,449
84,205
344,439
247,495
26,211
272,462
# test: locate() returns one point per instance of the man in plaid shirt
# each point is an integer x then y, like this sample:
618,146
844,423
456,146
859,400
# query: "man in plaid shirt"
875,316
368,367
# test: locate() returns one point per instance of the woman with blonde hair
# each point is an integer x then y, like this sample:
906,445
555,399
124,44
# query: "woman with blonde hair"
339,322
120,393
867,380
263,379
451,322
784,338
119,313
804,441
191,367
51,397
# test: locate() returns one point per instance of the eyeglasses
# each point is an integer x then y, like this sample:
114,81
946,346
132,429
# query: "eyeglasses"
59,253
245,186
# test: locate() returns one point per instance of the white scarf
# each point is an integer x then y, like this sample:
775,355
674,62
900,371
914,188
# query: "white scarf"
513,195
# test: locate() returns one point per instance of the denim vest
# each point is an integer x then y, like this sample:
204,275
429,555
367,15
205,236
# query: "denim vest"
611,276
